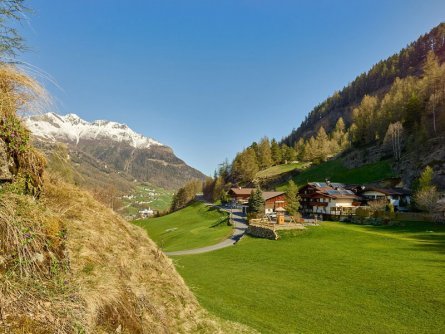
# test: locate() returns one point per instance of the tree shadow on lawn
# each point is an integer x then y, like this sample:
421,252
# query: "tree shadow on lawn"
428,236
431,242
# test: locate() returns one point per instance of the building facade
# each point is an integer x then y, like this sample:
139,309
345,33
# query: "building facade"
328,199
272,199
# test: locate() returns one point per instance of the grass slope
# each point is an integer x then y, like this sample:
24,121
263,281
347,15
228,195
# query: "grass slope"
146,196
280,169
336,171
335,278
195,226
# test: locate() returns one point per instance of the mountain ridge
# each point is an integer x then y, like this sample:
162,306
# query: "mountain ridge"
71,126
113,145
377,80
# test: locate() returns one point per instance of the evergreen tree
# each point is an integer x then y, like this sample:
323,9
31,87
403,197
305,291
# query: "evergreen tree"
288,154
364,116
413,112
276,152
322,147
264,154
339,136
299,149
434,85
292,198
256,203
245,166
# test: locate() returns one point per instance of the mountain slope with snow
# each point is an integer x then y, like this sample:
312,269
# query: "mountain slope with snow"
113,145
71,127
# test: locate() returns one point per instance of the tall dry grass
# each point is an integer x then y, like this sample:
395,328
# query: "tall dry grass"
68,264
21,94
71,265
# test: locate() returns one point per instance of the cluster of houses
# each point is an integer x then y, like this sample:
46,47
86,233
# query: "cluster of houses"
328,198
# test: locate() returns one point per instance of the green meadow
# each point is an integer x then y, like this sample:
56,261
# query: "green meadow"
195,226
333,278
336,171
280,169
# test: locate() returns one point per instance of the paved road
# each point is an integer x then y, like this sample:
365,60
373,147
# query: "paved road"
239,229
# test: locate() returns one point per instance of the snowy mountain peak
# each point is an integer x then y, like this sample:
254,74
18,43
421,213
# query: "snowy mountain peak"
72,128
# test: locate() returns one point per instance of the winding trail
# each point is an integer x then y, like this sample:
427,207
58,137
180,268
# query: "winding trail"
239,229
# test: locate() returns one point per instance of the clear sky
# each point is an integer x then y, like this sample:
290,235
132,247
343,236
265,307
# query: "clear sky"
209,77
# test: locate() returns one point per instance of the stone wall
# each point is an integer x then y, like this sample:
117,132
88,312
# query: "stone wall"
262,232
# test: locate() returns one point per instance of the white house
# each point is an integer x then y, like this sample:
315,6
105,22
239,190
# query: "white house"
398,197
146,213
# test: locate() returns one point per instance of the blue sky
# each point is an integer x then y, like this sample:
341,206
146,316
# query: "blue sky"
209,77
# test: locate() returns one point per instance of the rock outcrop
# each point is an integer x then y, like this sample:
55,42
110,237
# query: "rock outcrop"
6,163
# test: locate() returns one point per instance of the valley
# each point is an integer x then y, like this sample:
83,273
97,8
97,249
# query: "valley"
324,220
145,197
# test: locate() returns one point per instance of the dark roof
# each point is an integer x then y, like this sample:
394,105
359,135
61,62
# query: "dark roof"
331,189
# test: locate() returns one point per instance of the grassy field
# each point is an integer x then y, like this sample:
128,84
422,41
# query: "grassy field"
280,169
334,278
192,227
335,171
146,196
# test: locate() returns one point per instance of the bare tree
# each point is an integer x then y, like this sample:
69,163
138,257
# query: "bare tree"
394,136
426,199
11,43
378,204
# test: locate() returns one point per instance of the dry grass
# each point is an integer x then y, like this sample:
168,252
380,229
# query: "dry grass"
30,238
68,264
20,93
126,281
112,277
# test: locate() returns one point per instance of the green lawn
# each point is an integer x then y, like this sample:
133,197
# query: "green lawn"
335,171
195,226
334,278
280,169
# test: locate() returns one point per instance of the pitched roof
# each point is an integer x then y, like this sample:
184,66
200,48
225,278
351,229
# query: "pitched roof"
247,191
271,194
332,190
242,191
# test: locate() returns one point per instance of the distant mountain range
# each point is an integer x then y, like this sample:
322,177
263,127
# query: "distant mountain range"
113,146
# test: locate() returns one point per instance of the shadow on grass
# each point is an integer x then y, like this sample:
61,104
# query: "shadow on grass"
428,236
431,242
219,223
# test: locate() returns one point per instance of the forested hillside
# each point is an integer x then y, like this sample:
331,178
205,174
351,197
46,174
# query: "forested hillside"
377,81
384,114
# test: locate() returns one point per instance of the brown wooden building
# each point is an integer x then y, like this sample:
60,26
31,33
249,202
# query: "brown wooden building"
328,198
272,199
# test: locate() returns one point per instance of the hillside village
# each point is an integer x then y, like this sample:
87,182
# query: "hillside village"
329,198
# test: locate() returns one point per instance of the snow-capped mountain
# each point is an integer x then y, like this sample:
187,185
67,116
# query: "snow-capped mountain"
111,146
71,127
